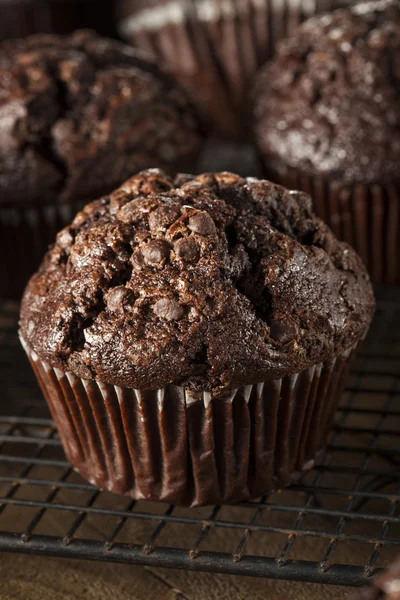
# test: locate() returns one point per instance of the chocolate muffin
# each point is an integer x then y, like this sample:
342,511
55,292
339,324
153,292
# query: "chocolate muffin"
78,115
215,47
192,336
19,18
385,587
327,121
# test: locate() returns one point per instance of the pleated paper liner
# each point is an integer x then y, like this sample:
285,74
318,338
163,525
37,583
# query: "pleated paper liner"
365,216
25,234
191,449
215,47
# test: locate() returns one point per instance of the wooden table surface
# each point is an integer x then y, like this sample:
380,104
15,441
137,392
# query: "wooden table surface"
41,578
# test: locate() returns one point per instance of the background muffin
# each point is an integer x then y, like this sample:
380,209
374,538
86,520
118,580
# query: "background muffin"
327,120
192,336
215,47
78,115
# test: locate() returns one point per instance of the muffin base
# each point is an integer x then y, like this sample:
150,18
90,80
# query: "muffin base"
365,216
190,449
25,234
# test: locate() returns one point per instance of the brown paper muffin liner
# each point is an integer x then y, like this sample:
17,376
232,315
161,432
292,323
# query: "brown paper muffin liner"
188,448
25,234
365,216
215,47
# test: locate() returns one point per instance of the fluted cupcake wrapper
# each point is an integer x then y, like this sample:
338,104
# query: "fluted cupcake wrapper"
25,234
365,216
188,448
215,47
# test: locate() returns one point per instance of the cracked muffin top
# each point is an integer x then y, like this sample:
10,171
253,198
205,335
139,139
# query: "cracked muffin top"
330,101
210,282
79,114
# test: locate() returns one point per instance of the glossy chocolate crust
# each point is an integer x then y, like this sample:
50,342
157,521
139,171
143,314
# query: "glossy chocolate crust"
210,282
79,114
330,101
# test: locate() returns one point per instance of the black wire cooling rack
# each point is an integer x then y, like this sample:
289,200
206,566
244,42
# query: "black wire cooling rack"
338,525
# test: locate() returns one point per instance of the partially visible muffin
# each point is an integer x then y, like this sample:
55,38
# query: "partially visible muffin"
78,115
215,47
218,317
327,120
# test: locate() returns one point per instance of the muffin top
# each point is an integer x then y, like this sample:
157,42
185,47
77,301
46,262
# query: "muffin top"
330,101
210,282
79,114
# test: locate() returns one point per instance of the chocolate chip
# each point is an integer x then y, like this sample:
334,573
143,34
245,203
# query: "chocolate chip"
161,218
168,309
186,249
118,298
202,223
138,260
155,252
282,331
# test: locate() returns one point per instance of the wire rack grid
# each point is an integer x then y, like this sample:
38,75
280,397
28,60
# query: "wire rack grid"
338,525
